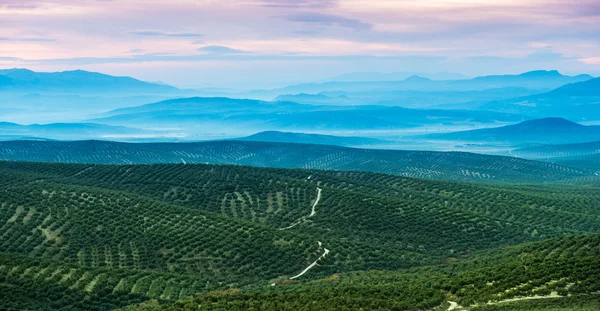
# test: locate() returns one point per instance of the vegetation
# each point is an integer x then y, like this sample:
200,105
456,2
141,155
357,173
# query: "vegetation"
422,164
555,151
99,237
483,281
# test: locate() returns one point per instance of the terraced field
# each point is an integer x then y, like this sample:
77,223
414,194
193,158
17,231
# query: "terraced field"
422,164
99,237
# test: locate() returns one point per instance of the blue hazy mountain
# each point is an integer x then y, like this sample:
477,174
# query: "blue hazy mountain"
578,101
547,130
75,82
409,98
304,138
228,113
69,131
540,80
394,76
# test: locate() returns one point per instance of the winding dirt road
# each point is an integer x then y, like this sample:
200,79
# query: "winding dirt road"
326,251
312,212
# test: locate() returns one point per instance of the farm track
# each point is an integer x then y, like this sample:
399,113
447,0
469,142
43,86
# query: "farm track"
325,252
312,212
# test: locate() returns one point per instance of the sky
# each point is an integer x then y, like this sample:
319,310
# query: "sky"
272,43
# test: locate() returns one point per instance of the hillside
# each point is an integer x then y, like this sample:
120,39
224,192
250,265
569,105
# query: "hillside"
318,139
98,237
543,131
531,277
423,164
584,162
577,101
563,150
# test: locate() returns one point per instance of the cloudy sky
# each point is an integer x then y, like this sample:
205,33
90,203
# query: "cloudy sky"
267,43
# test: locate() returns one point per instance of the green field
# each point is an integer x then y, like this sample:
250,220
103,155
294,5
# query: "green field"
101,237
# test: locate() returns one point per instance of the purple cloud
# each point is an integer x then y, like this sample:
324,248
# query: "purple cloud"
298,3
26,39
153,33
328,19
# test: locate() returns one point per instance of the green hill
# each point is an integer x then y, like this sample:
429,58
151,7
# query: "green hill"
423,164
99,237
563,150
304,138
585,162
557,274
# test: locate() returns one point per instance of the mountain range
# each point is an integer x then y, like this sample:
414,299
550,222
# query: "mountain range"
230,115
394,76
579,101
76,81
536,80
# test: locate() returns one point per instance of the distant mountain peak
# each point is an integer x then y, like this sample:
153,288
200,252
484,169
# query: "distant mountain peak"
415,78
553,123
542,73
15,70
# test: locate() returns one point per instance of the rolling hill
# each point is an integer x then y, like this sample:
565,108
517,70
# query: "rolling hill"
424,164
531,277
100,237
318,139
562,150
542,131
584,162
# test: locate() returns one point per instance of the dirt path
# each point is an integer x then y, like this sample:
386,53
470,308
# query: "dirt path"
326,251
552,295
453,305
312,212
